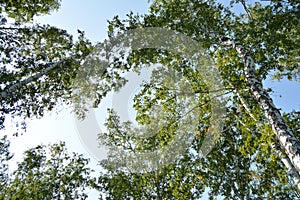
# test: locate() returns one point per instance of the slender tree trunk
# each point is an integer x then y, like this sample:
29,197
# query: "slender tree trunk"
288,141
284,159
10,89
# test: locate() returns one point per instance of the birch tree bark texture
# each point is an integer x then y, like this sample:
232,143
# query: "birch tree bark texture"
289,143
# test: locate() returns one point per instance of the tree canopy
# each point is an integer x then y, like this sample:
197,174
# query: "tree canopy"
256,150
248,161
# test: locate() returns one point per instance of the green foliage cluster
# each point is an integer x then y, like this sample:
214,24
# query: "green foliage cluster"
45,173
24,11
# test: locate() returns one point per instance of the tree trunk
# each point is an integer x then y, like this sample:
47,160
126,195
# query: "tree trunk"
284,159
10,89
289,143
288,164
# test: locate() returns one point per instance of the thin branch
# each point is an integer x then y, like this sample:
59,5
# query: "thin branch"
246,9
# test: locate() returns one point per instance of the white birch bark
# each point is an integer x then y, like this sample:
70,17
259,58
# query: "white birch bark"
11,89
288,164
289,143
284,159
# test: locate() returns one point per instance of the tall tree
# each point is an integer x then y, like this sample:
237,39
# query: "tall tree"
38,62
245,163
240,166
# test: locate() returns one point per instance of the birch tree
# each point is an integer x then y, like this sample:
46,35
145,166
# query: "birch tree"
38,62
257,155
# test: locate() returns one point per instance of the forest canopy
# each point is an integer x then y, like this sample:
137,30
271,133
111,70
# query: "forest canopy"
253,153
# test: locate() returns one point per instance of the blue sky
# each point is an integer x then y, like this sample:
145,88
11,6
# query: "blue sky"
91,16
